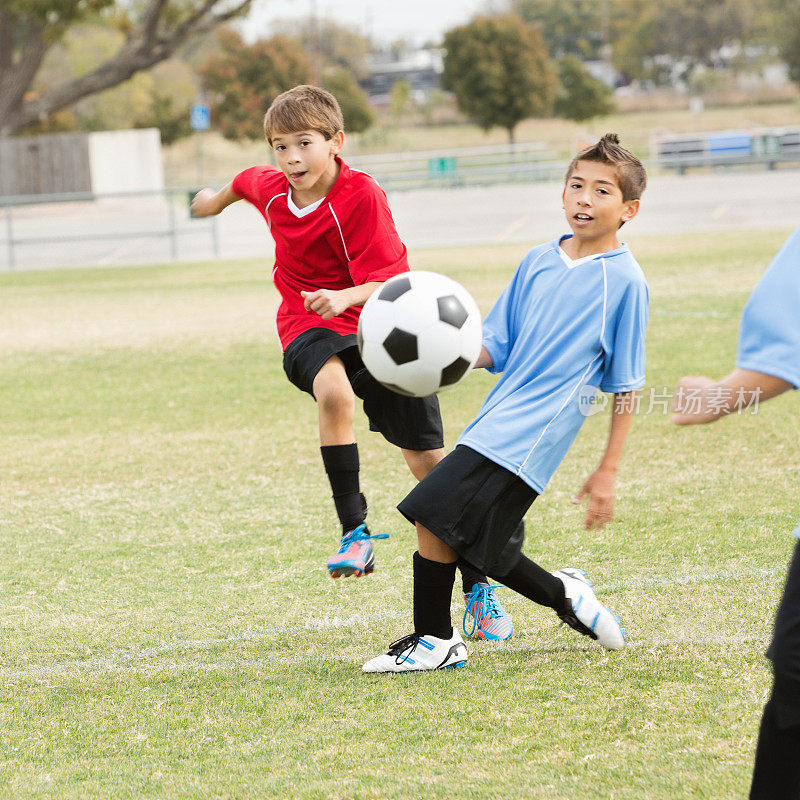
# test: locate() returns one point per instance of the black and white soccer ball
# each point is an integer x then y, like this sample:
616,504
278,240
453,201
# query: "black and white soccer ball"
420,333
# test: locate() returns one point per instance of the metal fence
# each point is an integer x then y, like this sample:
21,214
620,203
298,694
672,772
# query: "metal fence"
78,228
472,166
73,229
438,198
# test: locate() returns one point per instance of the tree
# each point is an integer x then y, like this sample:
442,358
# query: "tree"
568,26
689,32
783,28
581,96
358,115
243,80
499,71
153,30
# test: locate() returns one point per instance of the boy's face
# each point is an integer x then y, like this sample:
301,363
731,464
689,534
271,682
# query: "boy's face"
306,158
593,202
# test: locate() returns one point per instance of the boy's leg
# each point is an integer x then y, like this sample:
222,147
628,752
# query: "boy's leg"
421,462
435,644
569,593
776,774
336,408
484,614
336,405
537,584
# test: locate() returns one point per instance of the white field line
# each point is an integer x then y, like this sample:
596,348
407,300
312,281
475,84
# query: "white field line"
689,580
121,662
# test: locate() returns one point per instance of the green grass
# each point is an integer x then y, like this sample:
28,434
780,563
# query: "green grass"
167,627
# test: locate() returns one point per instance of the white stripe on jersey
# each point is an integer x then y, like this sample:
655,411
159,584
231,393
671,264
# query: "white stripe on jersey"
346,254
266,208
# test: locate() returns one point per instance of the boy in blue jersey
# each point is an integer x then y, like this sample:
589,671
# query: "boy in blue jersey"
572,320
767,364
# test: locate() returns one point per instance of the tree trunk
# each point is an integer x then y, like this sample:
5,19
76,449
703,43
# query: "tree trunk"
16,75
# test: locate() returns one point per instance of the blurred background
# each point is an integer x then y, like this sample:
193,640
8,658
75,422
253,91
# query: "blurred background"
113,113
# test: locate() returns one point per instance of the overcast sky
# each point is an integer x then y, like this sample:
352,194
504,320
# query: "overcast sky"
418,21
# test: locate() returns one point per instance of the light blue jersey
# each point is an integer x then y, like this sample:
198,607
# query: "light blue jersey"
769,334
557,330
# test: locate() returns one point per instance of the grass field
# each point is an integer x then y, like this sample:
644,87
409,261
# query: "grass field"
168,629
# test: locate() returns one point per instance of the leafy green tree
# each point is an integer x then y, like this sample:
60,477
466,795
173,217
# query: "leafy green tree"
581,96
581,27
358,116
242,80
499,70
688,31
167,114
782,28
568,26
152,30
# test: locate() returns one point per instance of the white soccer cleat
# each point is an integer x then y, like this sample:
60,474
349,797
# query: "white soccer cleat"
587,614
416,653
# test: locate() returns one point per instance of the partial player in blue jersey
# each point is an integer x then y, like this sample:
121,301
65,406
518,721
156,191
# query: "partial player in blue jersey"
767,364
571,322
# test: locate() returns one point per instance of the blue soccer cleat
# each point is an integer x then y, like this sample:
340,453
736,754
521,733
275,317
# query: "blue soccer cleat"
489,619
355,555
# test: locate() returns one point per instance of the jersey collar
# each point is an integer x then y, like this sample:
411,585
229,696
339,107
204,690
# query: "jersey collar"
623,248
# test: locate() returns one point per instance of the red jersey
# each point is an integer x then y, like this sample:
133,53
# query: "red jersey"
347,240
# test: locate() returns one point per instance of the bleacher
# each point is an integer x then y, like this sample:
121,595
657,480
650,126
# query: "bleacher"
770,147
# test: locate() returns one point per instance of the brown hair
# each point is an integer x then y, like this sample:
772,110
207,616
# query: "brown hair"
630,172
304,108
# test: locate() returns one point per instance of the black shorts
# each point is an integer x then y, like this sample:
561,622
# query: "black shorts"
784,651
475,506
413,423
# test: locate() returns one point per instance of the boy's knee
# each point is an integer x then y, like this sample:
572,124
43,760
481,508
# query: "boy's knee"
334,396
421,462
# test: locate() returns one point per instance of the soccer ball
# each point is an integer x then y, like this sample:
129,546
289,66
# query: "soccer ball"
419,333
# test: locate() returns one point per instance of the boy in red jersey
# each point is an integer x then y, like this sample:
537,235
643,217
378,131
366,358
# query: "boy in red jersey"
335,243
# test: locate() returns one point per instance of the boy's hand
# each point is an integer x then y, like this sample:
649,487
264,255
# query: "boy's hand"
600,488
326,302
203,204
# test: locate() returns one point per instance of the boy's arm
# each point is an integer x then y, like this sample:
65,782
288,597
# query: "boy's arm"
484,360
208,203
599,486
332,302
699,400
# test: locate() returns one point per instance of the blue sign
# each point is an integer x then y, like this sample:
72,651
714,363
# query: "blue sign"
200,117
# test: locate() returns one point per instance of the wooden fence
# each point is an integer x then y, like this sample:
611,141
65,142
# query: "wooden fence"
41,165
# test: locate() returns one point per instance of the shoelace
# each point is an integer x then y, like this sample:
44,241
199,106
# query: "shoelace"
484,597
358,534
403,648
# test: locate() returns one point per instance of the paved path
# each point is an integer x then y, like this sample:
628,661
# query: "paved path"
715,201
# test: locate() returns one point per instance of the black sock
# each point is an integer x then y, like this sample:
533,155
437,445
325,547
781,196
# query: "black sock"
470,576
433,591
341,464
530,580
